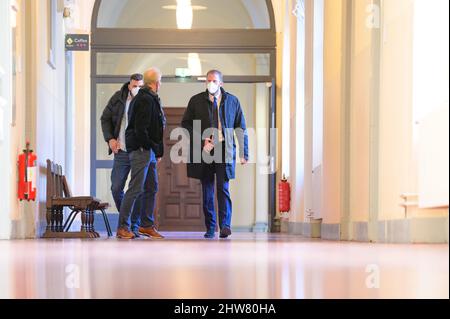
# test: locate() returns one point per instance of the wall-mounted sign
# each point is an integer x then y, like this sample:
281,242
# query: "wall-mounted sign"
77,42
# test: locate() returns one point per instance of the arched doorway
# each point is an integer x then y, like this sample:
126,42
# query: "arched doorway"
185,38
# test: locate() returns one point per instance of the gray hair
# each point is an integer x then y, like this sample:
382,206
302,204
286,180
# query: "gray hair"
217,72
152,75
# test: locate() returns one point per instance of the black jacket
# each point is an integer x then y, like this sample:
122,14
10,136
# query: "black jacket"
231,117
146,123
113,113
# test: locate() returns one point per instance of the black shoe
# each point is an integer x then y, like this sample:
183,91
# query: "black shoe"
224,233
210,234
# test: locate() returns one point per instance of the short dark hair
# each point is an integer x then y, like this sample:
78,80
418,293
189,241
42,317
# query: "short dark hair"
217,72
136,77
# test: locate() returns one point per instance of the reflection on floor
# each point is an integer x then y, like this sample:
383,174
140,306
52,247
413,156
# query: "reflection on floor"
245,266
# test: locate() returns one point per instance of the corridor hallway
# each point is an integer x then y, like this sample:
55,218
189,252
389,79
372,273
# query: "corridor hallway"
185,266
345,191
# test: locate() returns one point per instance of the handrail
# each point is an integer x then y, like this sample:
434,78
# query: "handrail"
408,202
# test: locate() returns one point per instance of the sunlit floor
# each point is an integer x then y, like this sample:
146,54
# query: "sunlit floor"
244,266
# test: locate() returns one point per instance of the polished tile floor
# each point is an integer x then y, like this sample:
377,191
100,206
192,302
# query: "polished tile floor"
245,266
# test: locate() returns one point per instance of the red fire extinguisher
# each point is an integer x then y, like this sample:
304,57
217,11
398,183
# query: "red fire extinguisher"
284,194
27,175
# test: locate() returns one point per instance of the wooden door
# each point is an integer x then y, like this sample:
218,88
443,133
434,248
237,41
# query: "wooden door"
179,205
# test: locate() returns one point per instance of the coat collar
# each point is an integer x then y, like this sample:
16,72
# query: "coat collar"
148,91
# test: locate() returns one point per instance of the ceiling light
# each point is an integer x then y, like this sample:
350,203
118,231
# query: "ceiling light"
194,64
185,13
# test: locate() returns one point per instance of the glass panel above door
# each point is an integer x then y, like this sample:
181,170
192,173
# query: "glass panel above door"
184,64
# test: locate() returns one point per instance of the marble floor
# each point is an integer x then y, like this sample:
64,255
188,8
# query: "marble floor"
244,266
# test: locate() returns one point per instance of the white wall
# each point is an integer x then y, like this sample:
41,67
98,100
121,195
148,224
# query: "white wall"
370,142
40,116
333,109
49,101
6,166
81,23
431,101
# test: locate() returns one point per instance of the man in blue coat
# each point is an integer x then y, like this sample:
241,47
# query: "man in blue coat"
212,119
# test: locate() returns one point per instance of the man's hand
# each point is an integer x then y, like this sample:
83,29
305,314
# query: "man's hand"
158,160
114,145
243,161
209,145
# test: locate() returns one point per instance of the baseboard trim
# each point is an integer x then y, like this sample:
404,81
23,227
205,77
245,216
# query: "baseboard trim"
309,230
295,228
331,231
430,230
394,231
412,230
260,228
241,229
361,231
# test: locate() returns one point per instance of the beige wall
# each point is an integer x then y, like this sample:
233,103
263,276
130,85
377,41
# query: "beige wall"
242,189
40,113
48,102
396,174
398,150
333,131
82,71
22,219
82,64
6,164
296,130
372,129
360,104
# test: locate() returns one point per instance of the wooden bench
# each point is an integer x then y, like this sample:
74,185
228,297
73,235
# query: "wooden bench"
59,197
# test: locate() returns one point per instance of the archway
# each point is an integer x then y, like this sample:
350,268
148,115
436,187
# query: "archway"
185,38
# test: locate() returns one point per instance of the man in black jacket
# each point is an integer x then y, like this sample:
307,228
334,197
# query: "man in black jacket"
114,123
220,113
144,139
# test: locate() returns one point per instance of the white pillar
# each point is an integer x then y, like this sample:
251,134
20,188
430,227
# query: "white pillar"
262,142
5,120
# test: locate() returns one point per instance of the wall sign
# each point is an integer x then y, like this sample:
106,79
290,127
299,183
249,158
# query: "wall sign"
77,42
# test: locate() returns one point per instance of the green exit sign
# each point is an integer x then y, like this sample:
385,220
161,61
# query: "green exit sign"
182,72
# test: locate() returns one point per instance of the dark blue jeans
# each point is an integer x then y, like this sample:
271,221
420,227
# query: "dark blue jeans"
223,197
141,192
119,175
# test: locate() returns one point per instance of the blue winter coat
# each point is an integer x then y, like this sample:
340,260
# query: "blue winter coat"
232,117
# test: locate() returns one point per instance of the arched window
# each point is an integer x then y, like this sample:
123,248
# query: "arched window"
215,24
184,14
185,39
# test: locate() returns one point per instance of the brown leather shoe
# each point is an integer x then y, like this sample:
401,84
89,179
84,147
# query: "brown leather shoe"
150,232
123,233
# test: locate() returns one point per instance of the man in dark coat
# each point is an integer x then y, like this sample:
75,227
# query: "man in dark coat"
212,118
114,122
144,139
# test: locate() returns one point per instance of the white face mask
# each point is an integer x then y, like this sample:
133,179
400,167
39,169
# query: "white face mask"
213,87
135,91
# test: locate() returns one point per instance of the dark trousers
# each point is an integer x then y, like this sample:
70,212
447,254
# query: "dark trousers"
119,176
141,191
216,172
